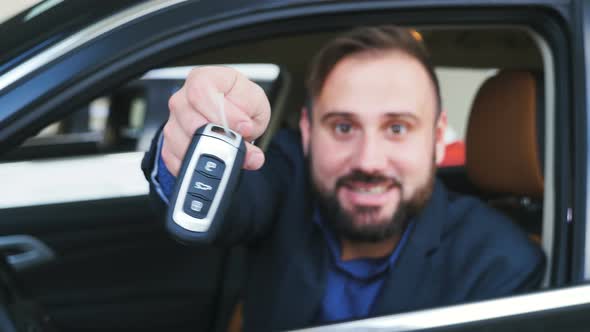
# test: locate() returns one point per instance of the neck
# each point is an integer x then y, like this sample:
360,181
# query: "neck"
354,250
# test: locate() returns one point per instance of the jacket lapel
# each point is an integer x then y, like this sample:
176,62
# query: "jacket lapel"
412,280
304,281
303,277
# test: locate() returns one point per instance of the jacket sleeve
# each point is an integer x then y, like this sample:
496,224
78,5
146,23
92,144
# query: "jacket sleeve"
148,167
503,279
256,199
509,263
260,194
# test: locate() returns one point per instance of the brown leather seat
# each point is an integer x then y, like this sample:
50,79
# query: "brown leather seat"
502,145
235,322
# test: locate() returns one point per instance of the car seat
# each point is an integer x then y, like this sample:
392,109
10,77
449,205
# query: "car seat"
504,144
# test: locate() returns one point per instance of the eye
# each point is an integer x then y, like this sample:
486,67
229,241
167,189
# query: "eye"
398,129
342,128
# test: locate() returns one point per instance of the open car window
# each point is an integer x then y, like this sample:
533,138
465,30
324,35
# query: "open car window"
93,153
458,89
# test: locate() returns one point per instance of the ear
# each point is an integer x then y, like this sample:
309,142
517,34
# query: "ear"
304,127
439,132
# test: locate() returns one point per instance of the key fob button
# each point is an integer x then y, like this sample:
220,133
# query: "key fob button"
203,186
196,206
211,166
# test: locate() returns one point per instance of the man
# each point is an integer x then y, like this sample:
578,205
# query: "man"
347,220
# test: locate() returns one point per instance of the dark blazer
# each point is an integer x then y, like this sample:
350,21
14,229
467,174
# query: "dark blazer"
460,250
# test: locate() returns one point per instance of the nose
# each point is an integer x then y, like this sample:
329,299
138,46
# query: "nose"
371,154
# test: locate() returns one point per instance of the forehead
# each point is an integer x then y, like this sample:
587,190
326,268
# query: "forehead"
376,83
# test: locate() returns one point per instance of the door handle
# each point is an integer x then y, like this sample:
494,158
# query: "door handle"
23,252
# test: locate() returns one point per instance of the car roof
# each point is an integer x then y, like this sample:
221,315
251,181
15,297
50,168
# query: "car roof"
48,22
244,28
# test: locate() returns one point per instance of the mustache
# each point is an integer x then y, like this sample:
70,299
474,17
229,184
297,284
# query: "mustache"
357,176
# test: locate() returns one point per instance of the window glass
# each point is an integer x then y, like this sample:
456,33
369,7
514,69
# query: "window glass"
458,87
96,151
98,113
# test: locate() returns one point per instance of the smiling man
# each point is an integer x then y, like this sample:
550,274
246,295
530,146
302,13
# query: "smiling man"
378,114
346,219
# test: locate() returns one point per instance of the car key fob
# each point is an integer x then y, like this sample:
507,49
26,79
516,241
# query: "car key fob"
209,174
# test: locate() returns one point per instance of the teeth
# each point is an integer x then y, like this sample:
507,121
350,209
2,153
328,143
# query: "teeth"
372,190
378,190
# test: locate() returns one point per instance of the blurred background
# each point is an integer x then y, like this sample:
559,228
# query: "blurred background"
9,8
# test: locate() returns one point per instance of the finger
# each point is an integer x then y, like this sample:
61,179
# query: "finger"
256,106
176,139
170,160
189,119
247,109
203,86
237,119
188,106
254,157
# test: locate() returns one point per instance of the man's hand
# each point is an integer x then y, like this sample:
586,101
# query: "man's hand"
196,103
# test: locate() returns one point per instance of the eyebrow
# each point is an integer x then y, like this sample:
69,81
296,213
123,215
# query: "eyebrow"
402,115
337,114
391,115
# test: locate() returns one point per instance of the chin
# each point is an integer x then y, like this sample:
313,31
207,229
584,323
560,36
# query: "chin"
369,216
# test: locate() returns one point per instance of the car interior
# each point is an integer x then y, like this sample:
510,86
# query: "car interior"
120,271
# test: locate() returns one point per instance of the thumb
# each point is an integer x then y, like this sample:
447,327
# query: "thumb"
254,157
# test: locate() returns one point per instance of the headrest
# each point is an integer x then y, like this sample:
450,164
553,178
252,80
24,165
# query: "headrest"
502,148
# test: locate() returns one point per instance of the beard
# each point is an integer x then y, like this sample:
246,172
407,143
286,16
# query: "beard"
372,229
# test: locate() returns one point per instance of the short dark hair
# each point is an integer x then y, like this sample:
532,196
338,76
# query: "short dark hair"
374,39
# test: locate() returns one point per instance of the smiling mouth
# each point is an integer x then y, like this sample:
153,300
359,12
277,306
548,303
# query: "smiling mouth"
369,188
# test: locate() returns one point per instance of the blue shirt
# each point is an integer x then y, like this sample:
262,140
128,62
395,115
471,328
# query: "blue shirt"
353,286
161,177
165,178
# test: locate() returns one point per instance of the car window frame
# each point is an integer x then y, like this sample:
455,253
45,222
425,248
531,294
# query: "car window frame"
516,313
563,179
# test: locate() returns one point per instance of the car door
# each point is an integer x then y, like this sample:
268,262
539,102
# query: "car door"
115,267
106,249
557,310
110,266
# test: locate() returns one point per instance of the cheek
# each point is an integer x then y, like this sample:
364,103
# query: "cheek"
329,159
413,160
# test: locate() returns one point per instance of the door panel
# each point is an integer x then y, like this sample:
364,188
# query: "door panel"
116,268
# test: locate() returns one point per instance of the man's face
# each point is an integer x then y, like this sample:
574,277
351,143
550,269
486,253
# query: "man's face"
373,142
